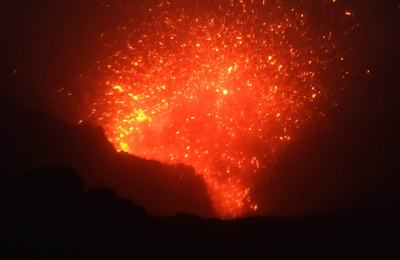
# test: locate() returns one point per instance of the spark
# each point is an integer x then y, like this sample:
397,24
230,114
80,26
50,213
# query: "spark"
207,85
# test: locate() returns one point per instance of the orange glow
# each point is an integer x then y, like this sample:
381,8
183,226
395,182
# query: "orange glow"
209,86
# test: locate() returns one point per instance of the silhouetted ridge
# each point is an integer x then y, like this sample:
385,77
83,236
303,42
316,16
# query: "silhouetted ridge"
31,139
46,214
47,210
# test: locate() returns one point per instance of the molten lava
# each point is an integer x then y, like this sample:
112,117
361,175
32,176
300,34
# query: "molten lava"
218,85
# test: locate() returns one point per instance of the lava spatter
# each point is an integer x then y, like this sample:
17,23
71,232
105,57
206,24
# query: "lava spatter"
219,85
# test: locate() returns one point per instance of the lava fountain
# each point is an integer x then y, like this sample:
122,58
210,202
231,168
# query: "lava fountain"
218,85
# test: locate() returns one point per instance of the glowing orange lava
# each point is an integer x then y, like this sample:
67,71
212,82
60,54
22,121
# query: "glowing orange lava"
219,85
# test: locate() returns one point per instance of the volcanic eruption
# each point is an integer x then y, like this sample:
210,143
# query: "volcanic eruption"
218,85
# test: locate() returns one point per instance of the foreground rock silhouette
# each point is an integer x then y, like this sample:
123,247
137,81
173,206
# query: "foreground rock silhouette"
31,139
46,214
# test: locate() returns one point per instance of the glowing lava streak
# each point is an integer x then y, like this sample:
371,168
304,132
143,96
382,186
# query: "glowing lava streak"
219,85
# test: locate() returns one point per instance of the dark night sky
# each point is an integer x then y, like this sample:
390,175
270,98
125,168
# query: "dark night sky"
46,45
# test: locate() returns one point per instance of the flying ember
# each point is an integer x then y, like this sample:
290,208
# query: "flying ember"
218,85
